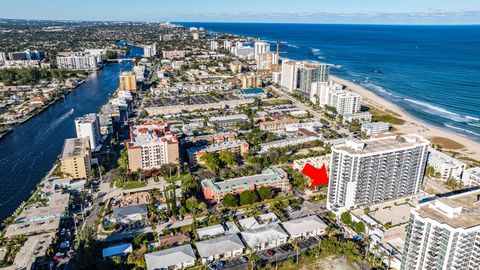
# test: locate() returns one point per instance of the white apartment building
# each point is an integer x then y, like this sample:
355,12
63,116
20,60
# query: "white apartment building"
375,170
261,47
289,75
213,45
88,126
447,166
151,146
444,234
3,57
320,92
79,61
375,128
345,102
150,50
362,117
471,177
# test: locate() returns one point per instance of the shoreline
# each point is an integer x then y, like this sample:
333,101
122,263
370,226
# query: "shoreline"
449,140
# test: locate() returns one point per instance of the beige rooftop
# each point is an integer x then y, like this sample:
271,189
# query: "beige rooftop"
381,144
467,206
75,147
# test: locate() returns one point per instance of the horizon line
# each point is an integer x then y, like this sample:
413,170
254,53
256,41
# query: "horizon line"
241,22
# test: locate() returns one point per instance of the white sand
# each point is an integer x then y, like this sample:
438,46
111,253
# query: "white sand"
470,149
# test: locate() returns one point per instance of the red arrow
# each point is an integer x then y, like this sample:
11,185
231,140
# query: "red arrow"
319,176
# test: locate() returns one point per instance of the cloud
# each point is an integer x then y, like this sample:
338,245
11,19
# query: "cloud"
431,17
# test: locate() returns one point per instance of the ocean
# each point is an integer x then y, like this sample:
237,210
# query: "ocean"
432,72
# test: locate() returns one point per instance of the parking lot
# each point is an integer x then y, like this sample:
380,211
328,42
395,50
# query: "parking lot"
189,100
280,254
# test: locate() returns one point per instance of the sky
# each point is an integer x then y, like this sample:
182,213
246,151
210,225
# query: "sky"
287,11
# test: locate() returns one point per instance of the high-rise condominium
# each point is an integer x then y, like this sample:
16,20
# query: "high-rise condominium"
128,81
151,146
372,171
309,73
88,126
289,75
444,234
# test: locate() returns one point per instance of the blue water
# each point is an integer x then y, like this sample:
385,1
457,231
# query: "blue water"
433,72
30,151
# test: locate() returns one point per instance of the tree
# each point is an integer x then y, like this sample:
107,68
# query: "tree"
211,161
110,54
265,193
230,200
228,158
123,159
248,197
346,218
190,185
191,204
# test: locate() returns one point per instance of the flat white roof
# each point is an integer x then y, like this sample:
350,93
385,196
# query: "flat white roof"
304,225
219,245
169,257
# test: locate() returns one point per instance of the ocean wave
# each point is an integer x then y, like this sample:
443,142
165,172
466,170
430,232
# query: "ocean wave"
315,51
463,129
472,118
377,88
474,125
435,110
336,66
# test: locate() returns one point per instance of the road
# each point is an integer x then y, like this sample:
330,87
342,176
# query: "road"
300,105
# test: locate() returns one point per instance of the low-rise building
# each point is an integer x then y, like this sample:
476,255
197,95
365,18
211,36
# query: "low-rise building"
220,248
471,177
304,227
265,147
75,159
265,237
447,166
219,229
277,123
316,162
130,213
362,117
229,120
271,177
195,153
375,128
180,257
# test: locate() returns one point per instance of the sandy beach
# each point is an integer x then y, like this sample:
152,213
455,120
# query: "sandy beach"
450,141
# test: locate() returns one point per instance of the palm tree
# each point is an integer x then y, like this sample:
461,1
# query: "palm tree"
389,256
375,250
253,257
296,247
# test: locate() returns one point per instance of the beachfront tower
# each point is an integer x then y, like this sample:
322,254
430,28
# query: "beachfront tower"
444,234
372,171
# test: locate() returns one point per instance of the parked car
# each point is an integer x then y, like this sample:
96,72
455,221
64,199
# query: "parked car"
243,259
270,252
211,266
220,263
